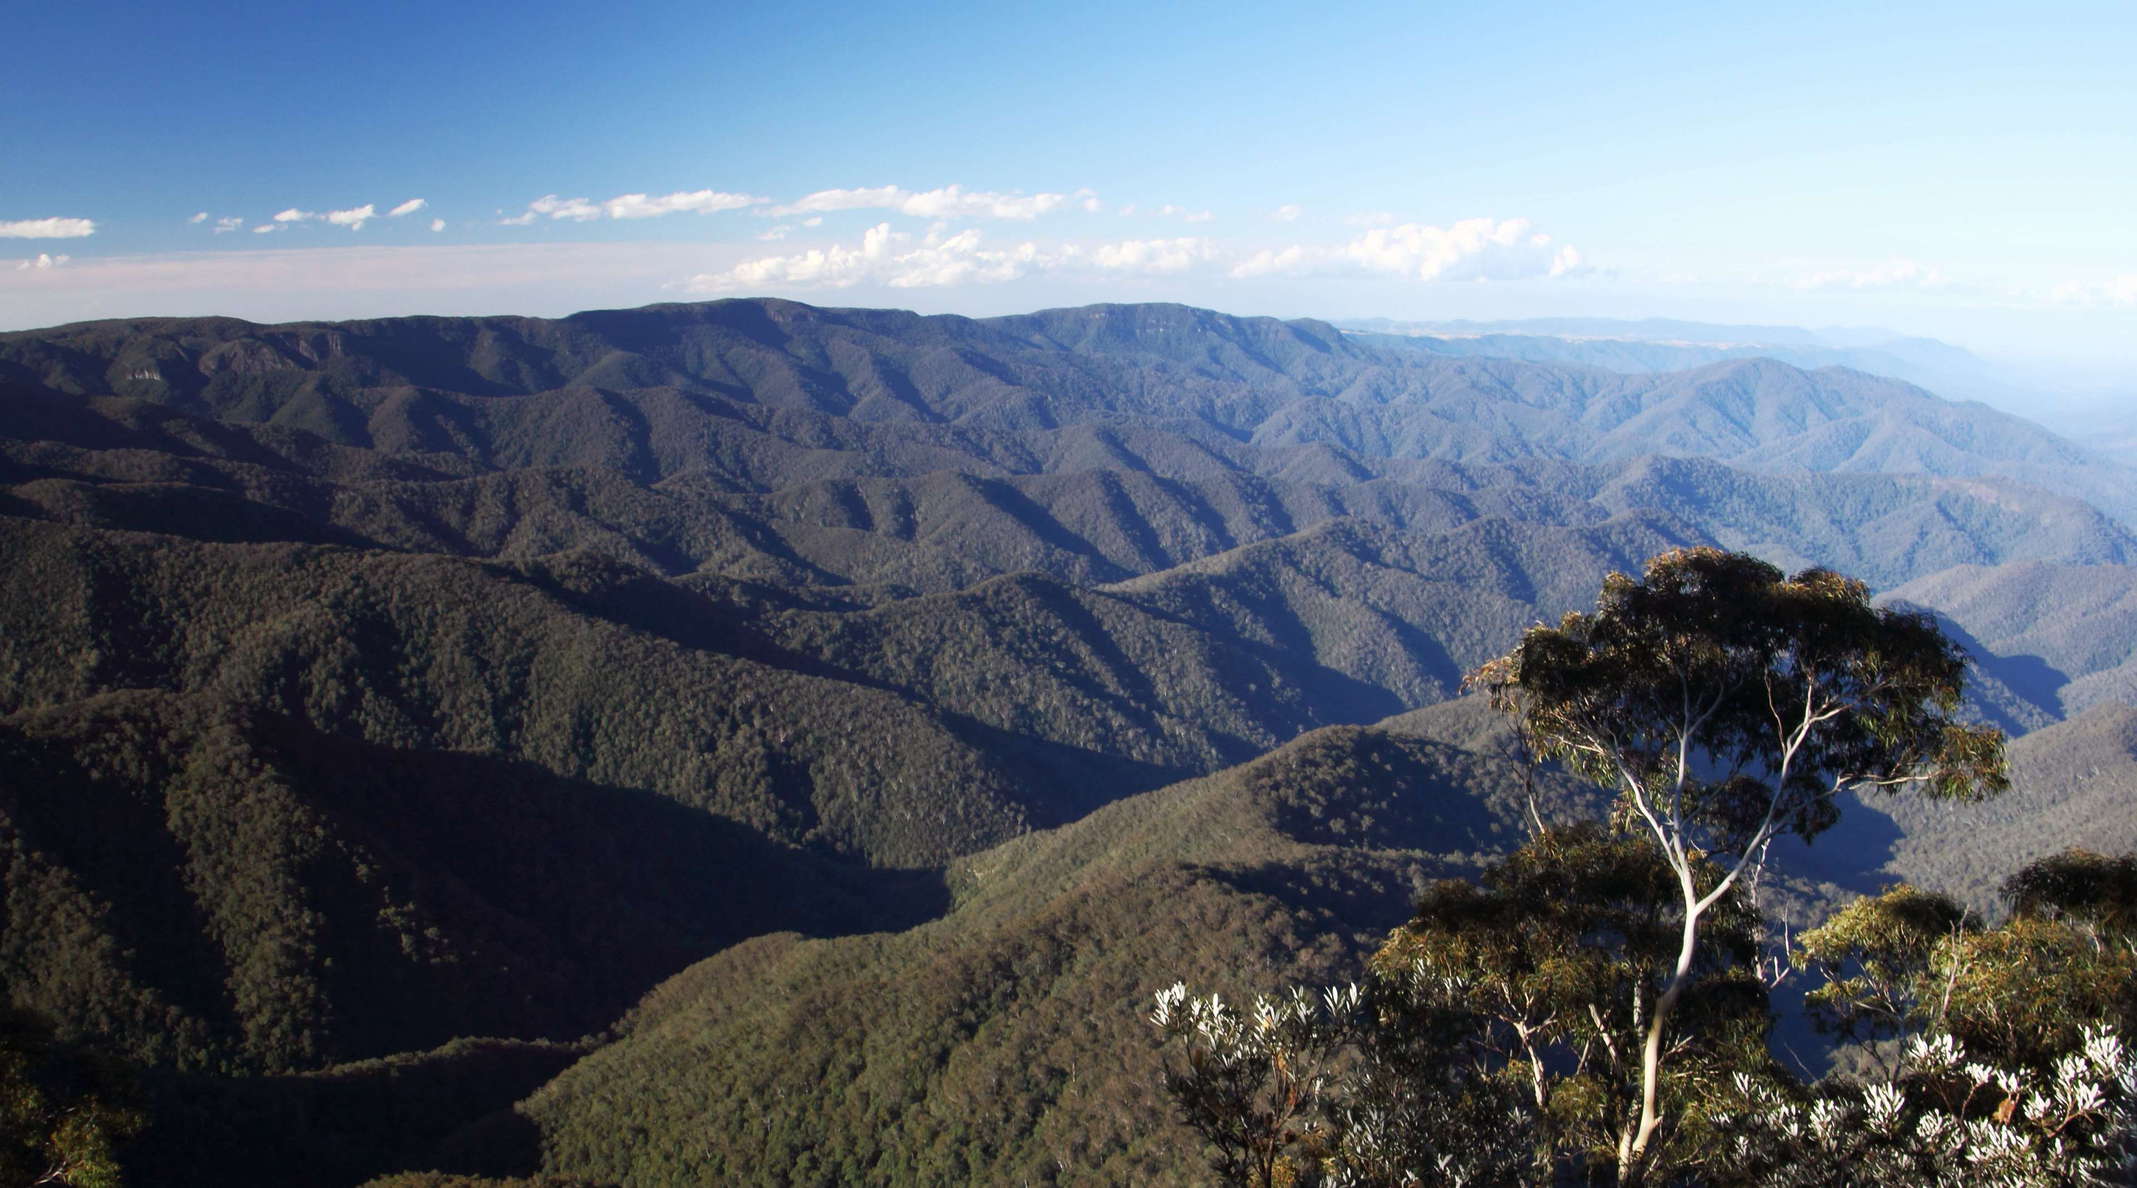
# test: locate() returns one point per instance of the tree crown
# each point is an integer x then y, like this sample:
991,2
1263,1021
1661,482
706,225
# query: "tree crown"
1734,702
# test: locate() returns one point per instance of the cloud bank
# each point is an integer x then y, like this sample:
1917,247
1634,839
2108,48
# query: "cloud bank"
949,202
900,260
47,229
1479,249
631,206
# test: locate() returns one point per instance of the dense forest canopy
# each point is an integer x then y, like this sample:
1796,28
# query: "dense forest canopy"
498,746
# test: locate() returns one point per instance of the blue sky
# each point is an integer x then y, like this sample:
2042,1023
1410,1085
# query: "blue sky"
1962,170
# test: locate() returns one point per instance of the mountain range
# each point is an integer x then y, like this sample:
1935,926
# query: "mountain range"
904,697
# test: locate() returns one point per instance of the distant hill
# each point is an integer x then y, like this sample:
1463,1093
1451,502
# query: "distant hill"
1668,344
729,388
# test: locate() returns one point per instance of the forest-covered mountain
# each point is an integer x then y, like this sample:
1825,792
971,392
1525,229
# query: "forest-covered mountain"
367,685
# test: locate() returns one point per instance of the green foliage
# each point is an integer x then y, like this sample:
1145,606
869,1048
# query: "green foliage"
1726,706
65,1112
1873,960
1495,1041
1942,1118
1001,1044
1910,962
2081,887
1497,1038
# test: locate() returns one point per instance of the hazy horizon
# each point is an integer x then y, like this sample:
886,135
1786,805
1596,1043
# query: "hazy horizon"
1957,173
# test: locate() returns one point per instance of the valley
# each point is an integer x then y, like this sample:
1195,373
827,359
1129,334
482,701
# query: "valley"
729,741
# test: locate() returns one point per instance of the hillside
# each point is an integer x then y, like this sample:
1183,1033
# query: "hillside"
1005,1042
2071,624
400,701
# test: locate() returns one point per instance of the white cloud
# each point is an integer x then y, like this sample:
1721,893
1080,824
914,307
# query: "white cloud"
407,208
1091,204
2119,290
945,203
1289,212
198,219
437,224
1157,256
775,234
1276,261
266,228
901,260
1891,274
813,221
353,218
47,229
632,206
1371,218
1200,216
638,206
231,223
883,257
578,210
43,263
1471,249
293,215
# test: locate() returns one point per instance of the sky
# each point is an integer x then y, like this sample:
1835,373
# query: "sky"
1957,170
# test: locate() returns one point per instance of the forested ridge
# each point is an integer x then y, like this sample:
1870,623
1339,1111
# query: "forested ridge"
905,697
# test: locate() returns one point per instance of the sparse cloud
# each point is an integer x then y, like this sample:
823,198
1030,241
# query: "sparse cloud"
1480,249
1889,274
353,218
1289,212
407,208
437,224
1371,218
1275,261
43,263
902,260
1471,249
2117,290
199,218
1171,210
1152,256
639,206
47,228
883,256
228,224
632,206
577,210
948,202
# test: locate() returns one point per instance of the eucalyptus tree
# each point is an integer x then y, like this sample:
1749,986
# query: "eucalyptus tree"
1726,704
